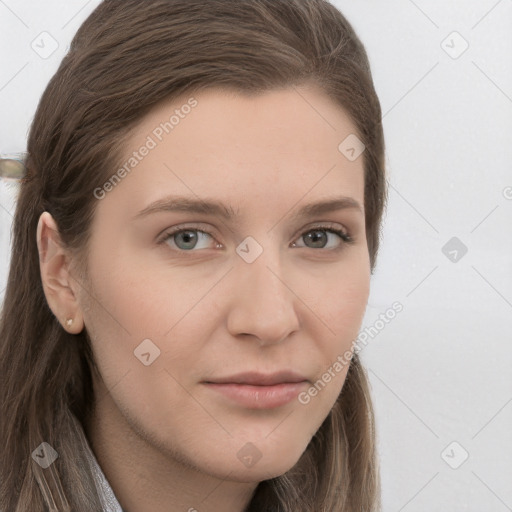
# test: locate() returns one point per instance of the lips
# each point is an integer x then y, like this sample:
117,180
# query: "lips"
260,379
254,390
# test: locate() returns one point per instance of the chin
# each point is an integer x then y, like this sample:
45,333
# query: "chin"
265,468
256,475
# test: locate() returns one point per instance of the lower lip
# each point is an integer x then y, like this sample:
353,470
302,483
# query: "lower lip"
259,397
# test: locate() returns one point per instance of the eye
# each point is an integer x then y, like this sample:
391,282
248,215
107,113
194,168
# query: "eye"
317,238
186,239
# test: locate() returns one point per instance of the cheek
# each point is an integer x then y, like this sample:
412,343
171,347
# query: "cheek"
343,308
343,301
139,301
349,305
133,305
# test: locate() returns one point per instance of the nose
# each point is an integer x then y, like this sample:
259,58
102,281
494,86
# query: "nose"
263,303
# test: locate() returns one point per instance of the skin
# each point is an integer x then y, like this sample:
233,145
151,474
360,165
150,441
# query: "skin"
164,440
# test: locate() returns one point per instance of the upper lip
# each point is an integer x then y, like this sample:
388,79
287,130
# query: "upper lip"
259,379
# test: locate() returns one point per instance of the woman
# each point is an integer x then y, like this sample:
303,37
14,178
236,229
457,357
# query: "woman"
192,249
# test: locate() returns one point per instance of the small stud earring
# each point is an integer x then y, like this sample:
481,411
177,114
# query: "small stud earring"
69,321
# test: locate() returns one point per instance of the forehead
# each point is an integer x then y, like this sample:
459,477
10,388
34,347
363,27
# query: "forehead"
266,149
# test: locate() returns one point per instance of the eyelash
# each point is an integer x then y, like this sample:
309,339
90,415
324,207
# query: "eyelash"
346,238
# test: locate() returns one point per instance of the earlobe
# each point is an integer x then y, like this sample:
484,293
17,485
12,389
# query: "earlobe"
55,275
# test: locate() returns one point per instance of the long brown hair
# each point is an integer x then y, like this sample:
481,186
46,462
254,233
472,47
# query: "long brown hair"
126,57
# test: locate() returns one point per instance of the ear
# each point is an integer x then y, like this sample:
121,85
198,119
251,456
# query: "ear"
55,276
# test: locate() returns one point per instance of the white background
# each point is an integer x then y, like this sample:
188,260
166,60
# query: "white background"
441,371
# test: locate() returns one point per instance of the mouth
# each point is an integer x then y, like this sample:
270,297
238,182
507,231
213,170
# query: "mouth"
259,391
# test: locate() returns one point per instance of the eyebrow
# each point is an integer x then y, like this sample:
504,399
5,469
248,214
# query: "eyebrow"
217,208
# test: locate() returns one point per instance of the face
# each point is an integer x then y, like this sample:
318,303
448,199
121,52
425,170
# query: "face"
211,321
